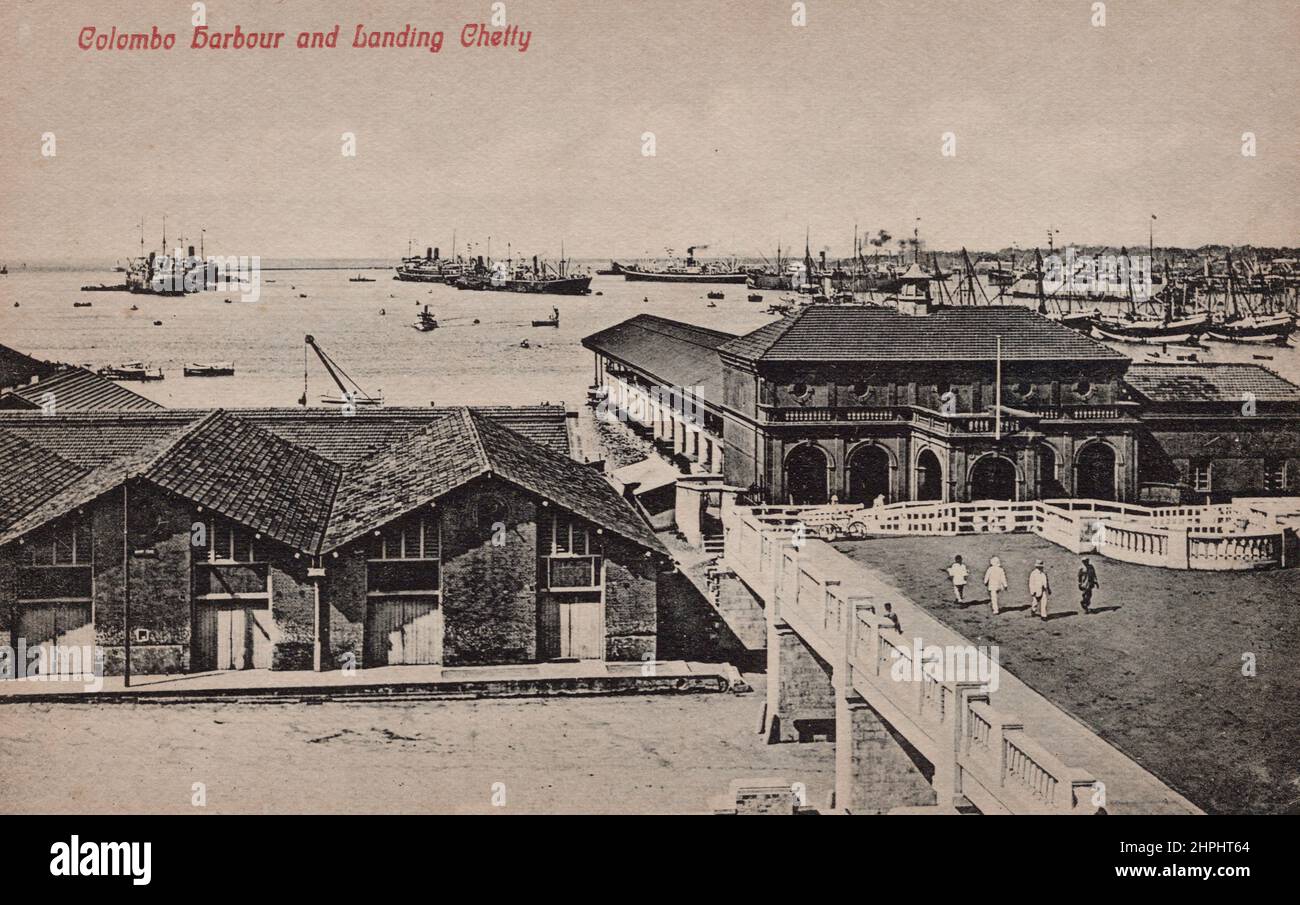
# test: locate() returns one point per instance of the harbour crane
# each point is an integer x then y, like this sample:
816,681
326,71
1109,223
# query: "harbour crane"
354,396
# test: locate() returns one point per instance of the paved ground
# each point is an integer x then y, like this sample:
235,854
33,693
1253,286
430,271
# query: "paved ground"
668,753
1158,672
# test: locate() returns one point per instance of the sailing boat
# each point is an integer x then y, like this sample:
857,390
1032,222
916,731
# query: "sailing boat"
1243,322
1064,313
1170,327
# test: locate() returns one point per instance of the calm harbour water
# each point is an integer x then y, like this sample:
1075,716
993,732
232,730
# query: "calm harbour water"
460,363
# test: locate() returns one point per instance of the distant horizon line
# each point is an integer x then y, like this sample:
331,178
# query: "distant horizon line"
383,261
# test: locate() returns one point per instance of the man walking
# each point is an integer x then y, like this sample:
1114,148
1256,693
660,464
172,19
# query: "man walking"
1039,590
1087,583
958,573
995,579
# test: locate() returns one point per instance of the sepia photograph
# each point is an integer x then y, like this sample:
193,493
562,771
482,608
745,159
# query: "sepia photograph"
677,407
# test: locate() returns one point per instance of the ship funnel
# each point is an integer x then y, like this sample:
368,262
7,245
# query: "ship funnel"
428,254
534,263
435,253
191,251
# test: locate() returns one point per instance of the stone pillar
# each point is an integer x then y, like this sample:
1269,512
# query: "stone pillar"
799,684
873,772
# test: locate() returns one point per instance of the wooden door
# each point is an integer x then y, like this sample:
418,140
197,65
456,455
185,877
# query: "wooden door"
61,625
403,630
232,635
572,630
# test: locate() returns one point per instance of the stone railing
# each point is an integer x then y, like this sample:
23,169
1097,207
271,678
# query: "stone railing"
976,750
1219,537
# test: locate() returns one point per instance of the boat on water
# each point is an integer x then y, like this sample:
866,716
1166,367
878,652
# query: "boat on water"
135,370
432,268
1273,328
1134,329
360,279
104,287
210,369
425,321
687,271
717,295
613,270
81,304
539,277
1244,320
552,321
755,297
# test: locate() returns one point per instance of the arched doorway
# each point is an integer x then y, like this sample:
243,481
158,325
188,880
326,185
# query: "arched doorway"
1095,477
993,478
868,474
929,476
805,476
1049,484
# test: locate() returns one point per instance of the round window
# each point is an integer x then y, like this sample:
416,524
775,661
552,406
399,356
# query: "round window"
861,388
1024,388
1083,388
800,389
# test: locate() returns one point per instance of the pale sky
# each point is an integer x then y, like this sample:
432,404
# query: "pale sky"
761,128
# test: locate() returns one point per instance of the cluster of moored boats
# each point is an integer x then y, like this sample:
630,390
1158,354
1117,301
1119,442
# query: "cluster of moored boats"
141,371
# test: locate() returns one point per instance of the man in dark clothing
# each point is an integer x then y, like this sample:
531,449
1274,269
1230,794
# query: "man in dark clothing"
1087,583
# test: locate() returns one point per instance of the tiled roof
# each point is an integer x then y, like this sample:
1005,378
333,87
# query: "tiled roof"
1209,382
458,449
577,488
78,390
424,466
17,369
245,467
248,474
674,353
951,333
29,475
354,437
97,438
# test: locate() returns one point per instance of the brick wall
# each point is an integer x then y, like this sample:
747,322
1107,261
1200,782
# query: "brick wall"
158,527
344,594
631,602
489,592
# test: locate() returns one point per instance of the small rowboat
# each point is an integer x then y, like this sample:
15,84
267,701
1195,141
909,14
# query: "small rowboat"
211,369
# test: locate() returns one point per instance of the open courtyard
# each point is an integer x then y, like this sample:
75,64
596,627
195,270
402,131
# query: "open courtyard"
1159,669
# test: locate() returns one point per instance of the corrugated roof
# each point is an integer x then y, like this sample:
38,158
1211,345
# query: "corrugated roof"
673,353
1209,382
952,333
78,390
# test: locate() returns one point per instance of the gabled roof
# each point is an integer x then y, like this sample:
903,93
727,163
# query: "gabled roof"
1209,382
843,333
77,390
250,475
450,453
674,353
235,464
17,369
30,475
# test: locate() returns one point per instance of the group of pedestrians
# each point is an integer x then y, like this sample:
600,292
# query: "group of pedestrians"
1040,586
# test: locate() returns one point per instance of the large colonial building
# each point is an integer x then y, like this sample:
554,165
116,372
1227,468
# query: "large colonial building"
202,540
859,404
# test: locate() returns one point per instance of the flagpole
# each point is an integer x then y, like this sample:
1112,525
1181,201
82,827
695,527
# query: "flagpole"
997,411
